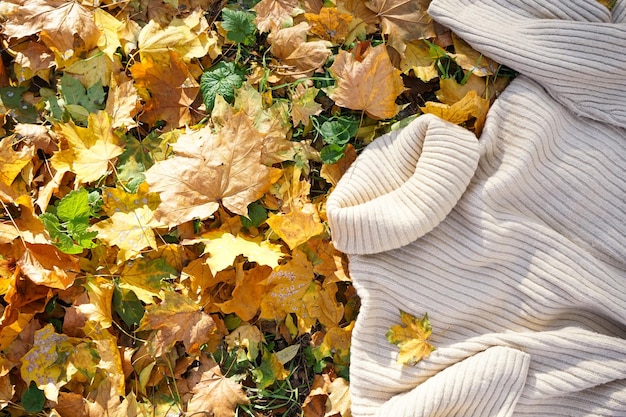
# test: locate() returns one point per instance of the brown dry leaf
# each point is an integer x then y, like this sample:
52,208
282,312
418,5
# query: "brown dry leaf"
168,90
289,45
403,20
208,169
274,14
26,226
66,27
91,149
371,85
7,390
471,60
216,393
122,103
363,15
177,318
330,24
37,135
46,265
333,172
32,59
471,108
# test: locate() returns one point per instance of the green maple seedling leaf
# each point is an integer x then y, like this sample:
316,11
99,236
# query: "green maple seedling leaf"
411,337
239,26
222,78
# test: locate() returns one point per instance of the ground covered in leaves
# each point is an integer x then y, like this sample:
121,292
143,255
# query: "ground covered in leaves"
164,167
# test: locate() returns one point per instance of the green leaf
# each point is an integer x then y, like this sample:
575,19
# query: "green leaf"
332,153
74,205
127,306
239,25
11,102
80,102
338,131
33,399
257,214
222,78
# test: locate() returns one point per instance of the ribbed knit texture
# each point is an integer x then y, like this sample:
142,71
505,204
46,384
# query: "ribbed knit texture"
514,244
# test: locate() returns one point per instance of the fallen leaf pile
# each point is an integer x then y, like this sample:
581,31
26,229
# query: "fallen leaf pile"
164,168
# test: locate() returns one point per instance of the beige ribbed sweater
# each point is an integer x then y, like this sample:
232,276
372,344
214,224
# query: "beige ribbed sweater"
514,244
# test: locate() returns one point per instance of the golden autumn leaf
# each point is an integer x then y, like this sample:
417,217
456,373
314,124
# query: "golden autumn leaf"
130,231
470,108
12,161
175,319
412,338
217,393
403,20
168,90
250,288
371,85
290,46
90,149
223,248
297,226
330,24
67,27
209,169
27,226
98,310
417,57
187,37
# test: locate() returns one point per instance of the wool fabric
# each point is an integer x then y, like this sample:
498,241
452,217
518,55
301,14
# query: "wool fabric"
513,243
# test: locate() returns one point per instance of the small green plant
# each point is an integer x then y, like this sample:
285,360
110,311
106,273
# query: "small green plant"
239,26
67,221
222,78
336,132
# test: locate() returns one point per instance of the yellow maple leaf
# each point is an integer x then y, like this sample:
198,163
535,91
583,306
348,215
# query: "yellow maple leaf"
217,393
109,28
91,149
287,286
297,226
417,57
371,85
470,109
210,168
122,103
46,265
131,231
98,310
330,24
223,248
187,37
12,161
66,27
411,337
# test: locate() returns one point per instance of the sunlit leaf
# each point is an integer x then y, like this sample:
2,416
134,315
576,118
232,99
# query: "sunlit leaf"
412,338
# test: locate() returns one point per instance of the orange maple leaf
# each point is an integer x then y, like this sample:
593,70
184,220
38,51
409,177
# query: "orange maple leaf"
371,85
169,91
208,169
330,24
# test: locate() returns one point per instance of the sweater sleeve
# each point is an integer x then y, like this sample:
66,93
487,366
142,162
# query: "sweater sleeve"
575,50
404,185
486,384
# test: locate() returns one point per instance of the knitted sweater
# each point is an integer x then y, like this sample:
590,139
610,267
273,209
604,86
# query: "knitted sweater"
515,243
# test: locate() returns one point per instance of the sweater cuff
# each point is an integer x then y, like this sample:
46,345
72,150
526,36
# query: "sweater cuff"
402,186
